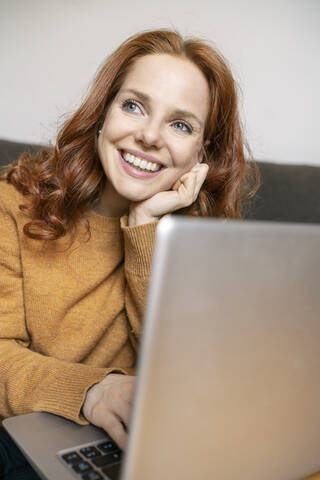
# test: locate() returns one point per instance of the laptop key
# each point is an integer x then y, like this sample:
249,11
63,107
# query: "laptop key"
107,447
92,476
72,457
107,459
90,452
81,467
112,471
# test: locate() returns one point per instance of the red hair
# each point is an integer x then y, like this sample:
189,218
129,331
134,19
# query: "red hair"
62,183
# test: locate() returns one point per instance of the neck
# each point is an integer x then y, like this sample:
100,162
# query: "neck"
111,203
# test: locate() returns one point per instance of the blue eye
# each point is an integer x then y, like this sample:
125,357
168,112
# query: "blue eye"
184,127
130,106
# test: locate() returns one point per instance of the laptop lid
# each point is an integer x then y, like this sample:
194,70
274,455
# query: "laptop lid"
229,368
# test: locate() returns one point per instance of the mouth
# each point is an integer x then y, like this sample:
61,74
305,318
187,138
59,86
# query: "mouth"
142,164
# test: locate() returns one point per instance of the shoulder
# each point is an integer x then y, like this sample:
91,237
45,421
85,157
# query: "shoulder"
10,199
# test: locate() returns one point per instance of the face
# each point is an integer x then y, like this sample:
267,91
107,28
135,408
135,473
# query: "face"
153,130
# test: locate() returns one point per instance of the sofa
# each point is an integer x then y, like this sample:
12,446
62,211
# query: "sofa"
288,193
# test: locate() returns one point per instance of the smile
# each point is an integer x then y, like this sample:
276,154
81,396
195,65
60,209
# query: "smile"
140,163
139,167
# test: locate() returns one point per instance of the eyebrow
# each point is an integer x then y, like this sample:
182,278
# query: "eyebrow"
178,111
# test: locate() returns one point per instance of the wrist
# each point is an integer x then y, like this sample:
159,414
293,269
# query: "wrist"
136,218
88,401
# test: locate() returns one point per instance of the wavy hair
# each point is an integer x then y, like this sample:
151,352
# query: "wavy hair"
63,182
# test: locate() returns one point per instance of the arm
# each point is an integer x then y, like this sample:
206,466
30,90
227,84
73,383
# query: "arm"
30,381
138,247
108,404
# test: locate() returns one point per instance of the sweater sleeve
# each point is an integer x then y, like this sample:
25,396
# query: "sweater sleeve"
30,381
138,250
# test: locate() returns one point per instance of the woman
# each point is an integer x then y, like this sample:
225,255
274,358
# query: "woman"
159,132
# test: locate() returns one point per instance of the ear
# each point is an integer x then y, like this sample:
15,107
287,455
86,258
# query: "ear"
97,139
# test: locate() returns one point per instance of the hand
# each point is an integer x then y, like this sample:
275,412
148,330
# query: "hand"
184,192
108,405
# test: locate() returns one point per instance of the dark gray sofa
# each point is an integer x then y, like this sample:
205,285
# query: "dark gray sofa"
289,193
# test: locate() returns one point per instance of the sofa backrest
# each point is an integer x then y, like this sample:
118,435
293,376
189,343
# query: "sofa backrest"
10,151
288,193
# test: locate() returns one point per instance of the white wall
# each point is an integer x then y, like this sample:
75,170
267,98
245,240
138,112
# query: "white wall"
50,49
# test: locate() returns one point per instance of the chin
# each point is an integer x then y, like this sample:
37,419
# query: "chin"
135,196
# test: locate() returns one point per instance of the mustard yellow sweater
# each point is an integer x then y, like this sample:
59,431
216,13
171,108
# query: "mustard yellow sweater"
67,316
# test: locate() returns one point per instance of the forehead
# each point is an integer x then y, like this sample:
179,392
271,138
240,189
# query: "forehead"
171,82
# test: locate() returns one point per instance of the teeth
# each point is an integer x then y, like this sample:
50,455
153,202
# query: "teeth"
138,162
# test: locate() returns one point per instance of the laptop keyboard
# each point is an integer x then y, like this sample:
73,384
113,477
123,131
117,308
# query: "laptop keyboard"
93,461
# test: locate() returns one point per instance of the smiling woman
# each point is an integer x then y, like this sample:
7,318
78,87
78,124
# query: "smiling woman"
152,135
72,178
159,132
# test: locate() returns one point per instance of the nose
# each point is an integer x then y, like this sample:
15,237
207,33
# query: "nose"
149,133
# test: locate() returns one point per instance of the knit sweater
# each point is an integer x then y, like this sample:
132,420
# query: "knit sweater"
68,316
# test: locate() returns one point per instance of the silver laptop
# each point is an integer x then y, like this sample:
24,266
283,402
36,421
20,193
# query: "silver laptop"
229,365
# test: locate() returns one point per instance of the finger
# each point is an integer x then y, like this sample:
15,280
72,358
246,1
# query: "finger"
114,428
176,185
122,409
200,167
189,174
197,166
187,188
193,170
186,176
190,180
201,176
121,399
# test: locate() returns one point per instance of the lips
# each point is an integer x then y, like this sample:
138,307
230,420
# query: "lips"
142,156
135,171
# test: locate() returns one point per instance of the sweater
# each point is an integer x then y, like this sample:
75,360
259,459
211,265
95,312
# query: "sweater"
68,316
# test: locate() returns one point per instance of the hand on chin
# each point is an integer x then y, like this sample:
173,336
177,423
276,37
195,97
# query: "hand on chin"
184,192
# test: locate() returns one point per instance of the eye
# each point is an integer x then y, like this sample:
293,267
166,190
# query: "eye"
184,127
130,106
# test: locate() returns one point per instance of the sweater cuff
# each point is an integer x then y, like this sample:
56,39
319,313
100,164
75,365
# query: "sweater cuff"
70,402
138,246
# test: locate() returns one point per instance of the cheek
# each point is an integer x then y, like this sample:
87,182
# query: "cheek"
185,155
112,128
171,179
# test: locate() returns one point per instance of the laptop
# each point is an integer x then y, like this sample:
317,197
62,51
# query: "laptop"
228,369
